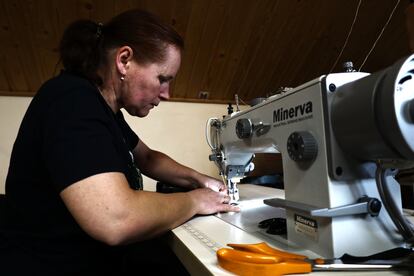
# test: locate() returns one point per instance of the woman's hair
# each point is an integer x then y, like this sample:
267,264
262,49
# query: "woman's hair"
85,44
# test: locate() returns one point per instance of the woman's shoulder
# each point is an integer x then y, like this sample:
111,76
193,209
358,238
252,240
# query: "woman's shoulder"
67,94
66,87
65,83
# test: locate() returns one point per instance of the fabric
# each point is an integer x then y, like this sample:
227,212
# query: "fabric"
67,134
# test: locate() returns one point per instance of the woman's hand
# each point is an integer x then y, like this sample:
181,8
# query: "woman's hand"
213,184
208,201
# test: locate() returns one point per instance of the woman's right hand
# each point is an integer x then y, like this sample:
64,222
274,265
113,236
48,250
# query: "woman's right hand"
208,201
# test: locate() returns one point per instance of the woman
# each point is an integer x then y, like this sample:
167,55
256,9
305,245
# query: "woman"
74,188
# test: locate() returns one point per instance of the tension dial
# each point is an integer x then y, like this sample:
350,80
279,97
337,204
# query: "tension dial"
302,146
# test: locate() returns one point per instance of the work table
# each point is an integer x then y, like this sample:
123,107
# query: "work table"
195,242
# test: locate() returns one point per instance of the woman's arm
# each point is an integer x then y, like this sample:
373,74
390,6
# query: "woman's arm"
108,210
161,167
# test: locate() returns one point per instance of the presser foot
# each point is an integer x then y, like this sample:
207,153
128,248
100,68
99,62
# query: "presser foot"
234,196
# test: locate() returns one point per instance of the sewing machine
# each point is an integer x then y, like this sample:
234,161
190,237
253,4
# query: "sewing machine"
341,137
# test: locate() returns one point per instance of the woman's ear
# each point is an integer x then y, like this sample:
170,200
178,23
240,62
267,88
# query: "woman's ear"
123,57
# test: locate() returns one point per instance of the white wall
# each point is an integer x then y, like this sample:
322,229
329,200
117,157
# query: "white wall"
12,110
177,129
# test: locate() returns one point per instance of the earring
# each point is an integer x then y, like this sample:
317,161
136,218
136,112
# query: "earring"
122,78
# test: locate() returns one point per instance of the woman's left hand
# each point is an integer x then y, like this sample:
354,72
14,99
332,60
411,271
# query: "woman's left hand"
213,184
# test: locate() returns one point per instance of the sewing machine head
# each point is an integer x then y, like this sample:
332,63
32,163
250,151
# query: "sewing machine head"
335,134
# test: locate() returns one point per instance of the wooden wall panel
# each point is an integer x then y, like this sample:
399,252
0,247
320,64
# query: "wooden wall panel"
231,47
245,47
257,31
208,45
195,26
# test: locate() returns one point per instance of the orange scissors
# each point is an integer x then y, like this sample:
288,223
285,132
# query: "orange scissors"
261,259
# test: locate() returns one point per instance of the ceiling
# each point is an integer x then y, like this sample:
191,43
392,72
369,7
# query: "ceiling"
246,47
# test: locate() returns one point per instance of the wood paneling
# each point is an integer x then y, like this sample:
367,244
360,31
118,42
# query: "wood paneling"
245,47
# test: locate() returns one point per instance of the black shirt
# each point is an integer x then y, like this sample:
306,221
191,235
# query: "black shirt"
67,134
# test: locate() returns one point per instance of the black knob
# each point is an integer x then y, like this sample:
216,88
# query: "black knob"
302,146
244,128
373,205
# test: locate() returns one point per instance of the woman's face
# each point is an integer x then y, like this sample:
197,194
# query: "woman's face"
145,86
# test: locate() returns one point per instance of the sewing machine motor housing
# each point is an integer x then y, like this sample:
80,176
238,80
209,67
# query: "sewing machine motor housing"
328,166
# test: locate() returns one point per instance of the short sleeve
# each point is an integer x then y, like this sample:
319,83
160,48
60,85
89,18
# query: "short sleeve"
79,138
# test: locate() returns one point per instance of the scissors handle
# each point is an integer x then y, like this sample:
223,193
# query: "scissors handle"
250,263
263,248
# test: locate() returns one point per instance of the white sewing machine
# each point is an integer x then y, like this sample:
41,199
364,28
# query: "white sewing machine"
337,135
